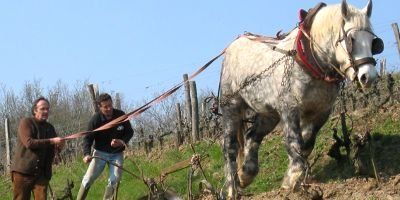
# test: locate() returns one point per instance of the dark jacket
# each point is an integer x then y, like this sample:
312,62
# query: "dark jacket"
34,153
102,139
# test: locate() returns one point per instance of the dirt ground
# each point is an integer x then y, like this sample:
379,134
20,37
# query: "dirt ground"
351,189
354,188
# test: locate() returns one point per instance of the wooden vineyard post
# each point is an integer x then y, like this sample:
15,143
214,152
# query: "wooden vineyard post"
179,135
8,151
93,96
195,112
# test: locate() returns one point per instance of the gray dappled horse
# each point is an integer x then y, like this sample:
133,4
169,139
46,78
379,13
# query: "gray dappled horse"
266,79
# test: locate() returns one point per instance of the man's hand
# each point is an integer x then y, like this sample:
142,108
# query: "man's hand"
59,142
87,159
117,143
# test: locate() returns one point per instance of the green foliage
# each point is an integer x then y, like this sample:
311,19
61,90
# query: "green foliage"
5,187
273,163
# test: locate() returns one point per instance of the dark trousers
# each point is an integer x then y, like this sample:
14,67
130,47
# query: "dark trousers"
23,185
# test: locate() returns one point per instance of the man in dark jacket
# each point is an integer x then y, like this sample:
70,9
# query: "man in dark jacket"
108,147
37,142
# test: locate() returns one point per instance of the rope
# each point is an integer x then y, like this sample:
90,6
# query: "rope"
146,106
118,166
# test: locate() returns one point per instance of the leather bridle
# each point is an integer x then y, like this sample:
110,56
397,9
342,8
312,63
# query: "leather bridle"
376,48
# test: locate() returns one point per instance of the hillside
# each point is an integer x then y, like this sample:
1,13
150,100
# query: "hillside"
329,179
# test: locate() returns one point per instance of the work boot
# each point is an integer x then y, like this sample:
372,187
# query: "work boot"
82,193
109,193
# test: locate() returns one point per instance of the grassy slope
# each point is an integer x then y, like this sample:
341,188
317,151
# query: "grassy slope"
273,162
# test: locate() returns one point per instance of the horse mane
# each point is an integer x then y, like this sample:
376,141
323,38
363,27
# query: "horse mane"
329,21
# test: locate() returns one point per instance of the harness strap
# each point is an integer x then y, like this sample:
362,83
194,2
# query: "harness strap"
283,51
301,56
270,42
366,60
309,18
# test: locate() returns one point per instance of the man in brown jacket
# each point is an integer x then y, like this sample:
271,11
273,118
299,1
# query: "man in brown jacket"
33,158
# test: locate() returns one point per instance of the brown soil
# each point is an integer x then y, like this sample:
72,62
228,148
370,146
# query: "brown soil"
354,188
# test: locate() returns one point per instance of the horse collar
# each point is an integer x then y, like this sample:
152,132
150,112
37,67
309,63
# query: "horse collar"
305,56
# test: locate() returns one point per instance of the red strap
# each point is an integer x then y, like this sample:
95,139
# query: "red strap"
301,54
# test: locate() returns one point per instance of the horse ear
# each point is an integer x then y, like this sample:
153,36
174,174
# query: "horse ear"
345,9
368,9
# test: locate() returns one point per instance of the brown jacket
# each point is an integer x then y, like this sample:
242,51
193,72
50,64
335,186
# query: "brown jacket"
34,153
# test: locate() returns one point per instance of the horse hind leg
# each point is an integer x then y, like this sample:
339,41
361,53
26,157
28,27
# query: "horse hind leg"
262,126
232,118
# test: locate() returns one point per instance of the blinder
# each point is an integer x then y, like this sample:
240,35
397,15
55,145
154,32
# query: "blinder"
377,46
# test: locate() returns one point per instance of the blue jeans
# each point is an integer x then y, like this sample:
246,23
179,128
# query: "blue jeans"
97,165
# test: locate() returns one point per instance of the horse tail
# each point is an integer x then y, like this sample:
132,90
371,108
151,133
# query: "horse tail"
240,138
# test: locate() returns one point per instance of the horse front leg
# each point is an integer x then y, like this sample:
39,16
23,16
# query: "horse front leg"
310,125
301,133
293,143
263,125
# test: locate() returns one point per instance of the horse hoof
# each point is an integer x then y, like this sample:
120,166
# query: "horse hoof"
290,184
247,173
244,179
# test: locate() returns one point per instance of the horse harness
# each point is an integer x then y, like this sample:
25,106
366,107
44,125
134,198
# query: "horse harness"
304,48
300,55
304,51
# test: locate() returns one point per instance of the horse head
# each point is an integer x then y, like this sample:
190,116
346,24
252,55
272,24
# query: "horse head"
346,36
357,44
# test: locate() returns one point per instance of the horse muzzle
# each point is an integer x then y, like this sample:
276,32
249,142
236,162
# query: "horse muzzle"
366,72
363,71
